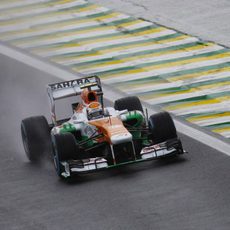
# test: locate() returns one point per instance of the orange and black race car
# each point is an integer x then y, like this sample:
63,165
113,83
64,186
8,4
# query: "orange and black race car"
96,137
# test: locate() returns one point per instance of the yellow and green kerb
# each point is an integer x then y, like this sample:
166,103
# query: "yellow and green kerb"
180,73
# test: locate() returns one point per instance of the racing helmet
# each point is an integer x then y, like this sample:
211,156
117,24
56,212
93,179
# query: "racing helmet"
94,110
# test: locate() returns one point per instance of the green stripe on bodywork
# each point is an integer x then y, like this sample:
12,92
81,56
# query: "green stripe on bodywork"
67,127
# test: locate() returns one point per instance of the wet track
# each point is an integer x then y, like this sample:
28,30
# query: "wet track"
190,192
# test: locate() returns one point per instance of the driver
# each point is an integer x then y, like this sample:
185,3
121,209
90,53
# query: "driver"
90,102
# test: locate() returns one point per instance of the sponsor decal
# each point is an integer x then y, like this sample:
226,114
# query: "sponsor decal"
72,83
88,130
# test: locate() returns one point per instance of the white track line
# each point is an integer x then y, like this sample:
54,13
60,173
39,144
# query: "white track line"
68,37
97,44
183,96
126,77
60,28
49,19
149,59
42,9
125,51
179,83
9,5
218,107
212,121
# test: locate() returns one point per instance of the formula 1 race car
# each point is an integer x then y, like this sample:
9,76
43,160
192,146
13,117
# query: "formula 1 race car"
97,137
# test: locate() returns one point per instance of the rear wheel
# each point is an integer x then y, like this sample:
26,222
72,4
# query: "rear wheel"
36,139
64,149
161,127
130,103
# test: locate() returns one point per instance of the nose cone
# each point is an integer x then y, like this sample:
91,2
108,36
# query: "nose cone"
121,138
113,130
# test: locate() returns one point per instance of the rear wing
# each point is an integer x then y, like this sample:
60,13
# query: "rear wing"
71,88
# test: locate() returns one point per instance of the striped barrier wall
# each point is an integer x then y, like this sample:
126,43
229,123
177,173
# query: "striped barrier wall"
178,72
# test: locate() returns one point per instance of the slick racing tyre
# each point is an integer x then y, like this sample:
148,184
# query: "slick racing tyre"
64,149
161,127
129,103
36,139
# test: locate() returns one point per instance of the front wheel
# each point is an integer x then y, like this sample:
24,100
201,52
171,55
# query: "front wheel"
161,127
64,149
35,134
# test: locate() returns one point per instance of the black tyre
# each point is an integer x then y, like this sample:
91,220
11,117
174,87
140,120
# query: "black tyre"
130,103
161,127
36,139
64,149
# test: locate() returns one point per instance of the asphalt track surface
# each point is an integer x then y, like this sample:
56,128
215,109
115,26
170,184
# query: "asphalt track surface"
190,192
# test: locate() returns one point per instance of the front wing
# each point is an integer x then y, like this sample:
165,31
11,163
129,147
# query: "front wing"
151,152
